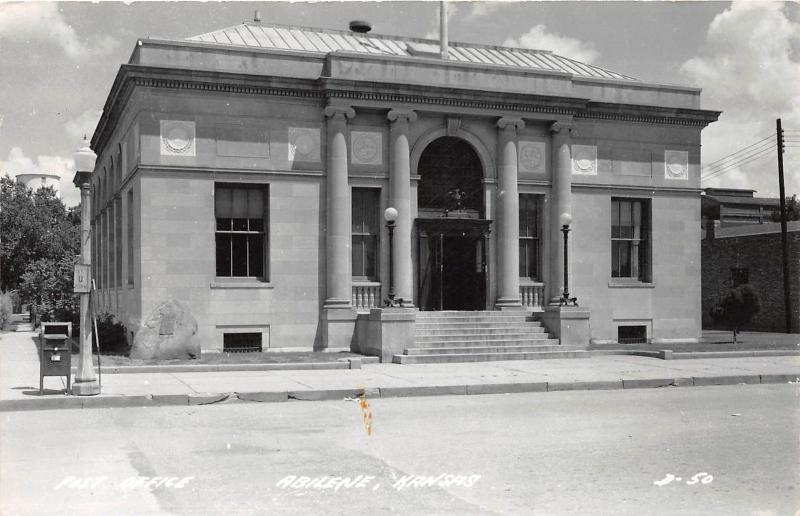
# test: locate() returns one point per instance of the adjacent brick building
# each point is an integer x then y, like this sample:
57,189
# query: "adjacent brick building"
752,254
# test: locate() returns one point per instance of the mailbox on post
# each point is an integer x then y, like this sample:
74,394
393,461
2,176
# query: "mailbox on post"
55,352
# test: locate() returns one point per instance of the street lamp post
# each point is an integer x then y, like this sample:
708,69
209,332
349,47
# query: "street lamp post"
390,215
85,383
565,219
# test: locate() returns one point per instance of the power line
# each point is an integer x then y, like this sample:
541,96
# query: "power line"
734,166
760,142
739,161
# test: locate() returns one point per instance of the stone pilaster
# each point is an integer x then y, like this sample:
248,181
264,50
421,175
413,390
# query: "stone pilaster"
338,216
507,214
561,202
400,199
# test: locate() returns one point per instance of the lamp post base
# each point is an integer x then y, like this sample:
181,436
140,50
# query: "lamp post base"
85,388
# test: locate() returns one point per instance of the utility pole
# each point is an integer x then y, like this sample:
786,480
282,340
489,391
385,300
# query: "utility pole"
787,299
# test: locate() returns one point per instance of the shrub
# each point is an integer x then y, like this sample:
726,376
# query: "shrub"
112,336
737,309
6,310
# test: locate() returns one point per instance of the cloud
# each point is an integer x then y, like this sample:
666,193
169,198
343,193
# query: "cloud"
28,22
539,38
453,10
19,163
481,9
749,68
83,124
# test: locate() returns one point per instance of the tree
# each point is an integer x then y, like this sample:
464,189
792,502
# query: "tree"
47,286
737,309
34,225
792,210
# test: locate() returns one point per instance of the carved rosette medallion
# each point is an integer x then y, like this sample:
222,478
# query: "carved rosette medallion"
367,148
676,164
584,160
532,157
303,144
177,138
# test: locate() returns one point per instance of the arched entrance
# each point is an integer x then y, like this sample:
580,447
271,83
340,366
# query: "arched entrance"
452,233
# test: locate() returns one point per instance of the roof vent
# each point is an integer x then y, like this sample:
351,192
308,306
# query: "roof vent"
362,27
257,17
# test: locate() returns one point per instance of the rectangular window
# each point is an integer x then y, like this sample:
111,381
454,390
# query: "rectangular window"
630,239
130,237
740,276
118,243
241,213
366,227
529,231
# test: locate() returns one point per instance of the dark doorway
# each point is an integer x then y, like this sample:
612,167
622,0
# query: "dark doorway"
451,179
452,258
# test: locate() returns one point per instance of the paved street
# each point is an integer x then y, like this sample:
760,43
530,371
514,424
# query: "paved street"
734,449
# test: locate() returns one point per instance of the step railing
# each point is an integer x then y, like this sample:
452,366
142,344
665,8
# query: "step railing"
531,294
366,295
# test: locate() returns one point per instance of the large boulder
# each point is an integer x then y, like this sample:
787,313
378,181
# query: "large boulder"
169,332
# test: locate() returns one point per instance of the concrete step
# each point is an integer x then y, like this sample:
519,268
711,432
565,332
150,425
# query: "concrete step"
529,348
24,327
491,357
456,340
473,318
477,325
524,341
511,330
471,313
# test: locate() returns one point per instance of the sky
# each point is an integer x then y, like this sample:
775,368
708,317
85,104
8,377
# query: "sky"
58,62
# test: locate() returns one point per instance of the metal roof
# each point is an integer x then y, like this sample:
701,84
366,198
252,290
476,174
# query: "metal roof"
326,40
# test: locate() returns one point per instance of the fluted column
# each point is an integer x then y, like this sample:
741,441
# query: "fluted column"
400,192
561,202
508,214
338,237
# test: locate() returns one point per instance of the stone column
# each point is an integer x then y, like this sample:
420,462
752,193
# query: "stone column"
507,214
338,216
400,199
561,202
338,316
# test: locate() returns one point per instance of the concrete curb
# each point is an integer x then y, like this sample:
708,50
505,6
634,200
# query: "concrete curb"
344,363
161,400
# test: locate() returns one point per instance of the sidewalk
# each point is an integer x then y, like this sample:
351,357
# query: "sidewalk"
19,379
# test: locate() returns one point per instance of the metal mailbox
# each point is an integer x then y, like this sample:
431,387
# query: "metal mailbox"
55,352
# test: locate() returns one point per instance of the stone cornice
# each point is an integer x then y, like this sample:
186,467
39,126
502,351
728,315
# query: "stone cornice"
131,76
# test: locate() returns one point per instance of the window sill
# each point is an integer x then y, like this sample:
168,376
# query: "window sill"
242,284
629,283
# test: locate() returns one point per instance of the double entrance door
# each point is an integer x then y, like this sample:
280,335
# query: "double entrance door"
452,263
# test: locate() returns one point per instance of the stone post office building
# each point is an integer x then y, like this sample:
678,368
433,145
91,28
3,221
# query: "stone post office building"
245,173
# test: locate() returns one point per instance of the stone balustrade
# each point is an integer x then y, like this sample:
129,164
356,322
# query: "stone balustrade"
531,295
366,295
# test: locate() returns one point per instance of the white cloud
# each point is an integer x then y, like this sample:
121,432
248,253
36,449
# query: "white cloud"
539,38
19,163
27,22
481,9
83,124
749,68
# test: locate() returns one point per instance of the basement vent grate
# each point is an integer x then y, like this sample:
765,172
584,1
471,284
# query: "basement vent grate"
241,342
632,334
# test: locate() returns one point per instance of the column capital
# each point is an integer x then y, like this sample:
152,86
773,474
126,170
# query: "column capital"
510,123
334,111
396,115
561,127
